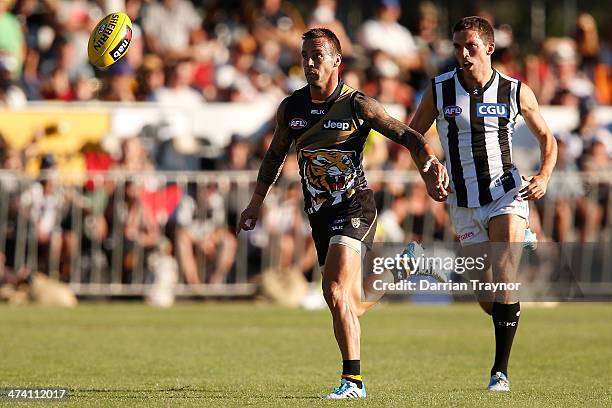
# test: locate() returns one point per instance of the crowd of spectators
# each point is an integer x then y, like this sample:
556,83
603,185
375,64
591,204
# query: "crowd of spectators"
185,53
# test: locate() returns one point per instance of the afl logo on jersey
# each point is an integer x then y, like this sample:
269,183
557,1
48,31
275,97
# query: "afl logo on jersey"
297,123
452,111
499,110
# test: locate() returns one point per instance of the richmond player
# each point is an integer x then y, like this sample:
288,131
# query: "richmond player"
329,122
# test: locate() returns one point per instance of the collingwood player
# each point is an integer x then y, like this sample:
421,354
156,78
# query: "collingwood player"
475,108
329,122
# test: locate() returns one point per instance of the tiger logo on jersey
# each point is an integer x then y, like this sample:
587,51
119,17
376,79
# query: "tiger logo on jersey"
328,174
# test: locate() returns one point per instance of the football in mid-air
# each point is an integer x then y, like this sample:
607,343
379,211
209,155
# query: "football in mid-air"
110,40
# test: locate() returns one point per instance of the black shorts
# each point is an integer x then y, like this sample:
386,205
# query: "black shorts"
356,219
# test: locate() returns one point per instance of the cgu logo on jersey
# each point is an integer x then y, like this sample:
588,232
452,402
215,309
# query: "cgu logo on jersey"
337,124
122,47
498,110
297,123
452,111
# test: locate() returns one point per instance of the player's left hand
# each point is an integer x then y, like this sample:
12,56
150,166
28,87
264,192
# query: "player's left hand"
437,180
536,187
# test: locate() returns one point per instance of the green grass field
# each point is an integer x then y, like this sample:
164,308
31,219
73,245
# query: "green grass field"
237,354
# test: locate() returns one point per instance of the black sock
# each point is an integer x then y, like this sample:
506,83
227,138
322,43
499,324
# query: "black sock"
351,370
505,319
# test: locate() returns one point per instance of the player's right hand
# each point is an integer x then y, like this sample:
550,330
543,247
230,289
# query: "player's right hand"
248,218
437,180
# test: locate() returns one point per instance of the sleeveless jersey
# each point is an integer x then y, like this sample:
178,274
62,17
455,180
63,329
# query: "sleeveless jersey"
329,139
476,130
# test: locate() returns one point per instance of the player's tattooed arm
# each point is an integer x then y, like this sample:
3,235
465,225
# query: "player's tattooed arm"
269,170
374,115
274,158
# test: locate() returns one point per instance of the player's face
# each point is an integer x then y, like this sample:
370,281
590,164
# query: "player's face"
471,51
320,61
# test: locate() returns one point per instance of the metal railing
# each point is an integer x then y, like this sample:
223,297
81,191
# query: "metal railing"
112,233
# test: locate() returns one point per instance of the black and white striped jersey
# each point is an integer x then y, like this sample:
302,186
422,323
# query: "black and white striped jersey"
475,128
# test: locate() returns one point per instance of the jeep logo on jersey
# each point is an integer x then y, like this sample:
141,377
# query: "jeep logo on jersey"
452,111
122,47
499,110
297,123
337,124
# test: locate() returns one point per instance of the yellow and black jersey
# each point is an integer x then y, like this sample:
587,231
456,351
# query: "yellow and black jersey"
329,139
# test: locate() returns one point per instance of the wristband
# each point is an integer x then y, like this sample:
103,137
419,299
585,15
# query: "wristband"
427,164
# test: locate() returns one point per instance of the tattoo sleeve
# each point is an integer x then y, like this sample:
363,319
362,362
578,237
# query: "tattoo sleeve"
374,114
274,158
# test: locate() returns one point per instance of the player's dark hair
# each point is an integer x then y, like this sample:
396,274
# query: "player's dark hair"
323,33
478,24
